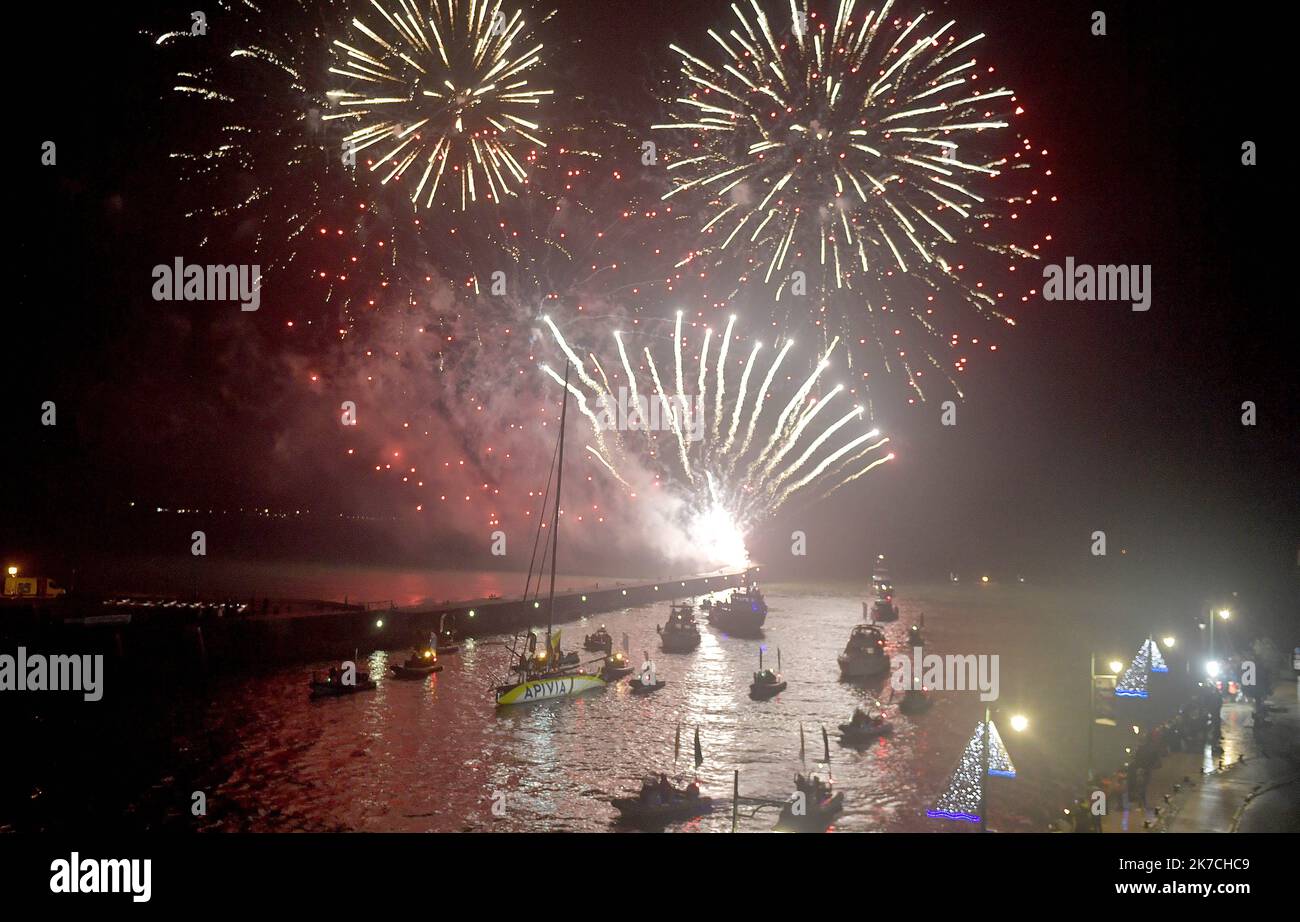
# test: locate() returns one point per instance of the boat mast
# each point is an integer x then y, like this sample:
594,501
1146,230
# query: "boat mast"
555,524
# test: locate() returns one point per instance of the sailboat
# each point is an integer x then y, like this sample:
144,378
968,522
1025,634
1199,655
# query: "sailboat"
546,674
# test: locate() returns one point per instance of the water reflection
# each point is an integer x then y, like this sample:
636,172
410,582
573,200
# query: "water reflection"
437,754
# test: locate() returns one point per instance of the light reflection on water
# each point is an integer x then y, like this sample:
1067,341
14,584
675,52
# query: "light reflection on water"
434,755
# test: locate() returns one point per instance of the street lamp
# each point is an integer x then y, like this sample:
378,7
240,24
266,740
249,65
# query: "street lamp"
1168,642
1115,667
1018,723
1223,613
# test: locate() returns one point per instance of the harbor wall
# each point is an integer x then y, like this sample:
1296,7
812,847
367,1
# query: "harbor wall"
210,640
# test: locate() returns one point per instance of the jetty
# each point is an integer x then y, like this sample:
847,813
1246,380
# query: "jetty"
213,634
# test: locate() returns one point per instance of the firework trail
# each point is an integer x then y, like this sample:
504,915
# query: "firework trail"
863,157
732,488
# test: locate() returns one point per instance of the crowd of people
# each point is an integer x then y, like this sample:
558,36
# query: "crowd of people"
1197,723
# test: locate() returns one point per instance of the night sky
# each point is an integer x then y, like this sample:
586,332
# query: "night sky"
1090,416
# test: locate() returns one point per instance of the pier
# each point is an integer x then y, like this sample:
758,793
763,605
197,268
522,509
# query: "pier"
214,635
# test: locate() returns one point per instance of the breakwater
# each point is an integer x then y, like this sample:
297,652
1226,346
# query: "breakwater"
210,637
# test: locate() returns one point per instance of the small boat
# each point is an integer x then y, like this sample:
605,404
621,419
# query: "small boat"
446,641
864,654
865,727
812,807
915,701
655,806
642,688
333,685
420,664
767,684
914,636
681,634
706,604
616,667
882,609
601,640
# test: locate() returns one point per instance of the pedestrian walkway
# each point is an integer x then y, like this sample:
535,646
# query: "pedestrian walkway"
1252,785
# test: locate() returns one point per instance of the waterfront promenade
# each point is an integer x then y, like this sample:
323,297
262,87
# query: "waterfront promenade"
1252,785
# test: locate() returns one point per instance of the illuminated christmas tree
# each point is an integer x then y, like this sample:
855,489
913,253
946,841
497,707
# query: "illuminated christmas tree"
1157,661
961,800
1133,683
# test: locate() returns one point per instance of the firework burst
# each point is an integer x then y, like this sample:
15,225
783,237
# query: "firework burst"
442,89
865,157
734,457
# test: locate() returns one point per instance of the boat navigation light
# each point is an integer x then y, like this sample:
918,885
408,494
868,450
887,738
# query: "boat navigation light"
984,579
379,623
471,613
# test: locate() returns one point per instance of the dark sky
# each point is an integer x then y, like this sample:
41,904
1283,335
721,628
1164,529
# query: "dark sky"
1091,417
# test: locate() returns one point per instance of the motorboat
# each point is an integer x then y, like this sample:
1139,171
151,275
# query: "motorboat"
659,802
864,654
419,664
681,634
446,641
812,807
600,640
742,614
642,687
865,727
767,683
616,667
915,701
882,609
881,583
333,685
